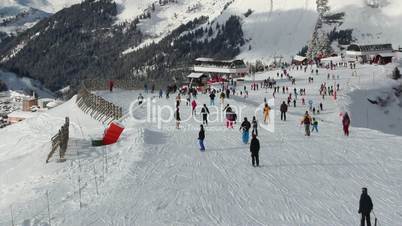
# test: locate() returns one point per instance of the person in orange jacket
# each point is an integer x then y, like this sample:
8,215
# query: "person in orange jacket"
266,111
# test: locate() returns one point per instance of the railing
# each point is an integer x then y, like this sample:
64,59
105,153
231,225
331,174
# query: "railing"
60,141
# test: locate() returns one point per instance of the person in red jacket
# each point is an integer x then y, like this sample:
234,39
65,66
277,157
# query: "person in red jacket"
193,106
346,124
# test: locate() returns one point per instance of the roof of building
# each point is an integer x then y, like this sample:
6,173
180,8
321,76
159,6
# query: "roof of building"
195,75
370,48
299,58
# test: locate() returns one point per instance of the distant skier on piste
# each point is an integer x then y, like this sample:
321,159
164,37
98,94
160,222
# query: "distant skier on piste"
204,113
255,149
346,124
306,121
284,109
245,128
266,111
201,137
254,124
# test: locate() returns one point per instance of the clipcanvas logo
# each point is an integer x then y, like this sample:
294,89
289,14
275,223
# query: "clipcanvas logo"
152,111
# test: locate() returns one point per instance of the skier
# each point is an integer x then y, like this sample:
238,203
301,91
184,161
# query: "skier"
346,124
229,116
306,121
178,100
294,103
365,207
222,97
310,104
201,137
212,98
160,93
152,88
321,107
204,113
254,123
245,126
193,106
266,113
254,149
111,85
284,109
177,118
140,99
146,87
314,124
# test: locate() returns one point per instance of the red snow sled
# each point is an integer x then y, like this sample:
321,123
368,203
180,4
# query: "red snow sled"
112,133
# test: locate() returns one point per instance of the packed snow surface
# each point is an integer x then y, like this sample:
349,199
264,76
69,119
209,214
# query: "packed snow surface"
157,176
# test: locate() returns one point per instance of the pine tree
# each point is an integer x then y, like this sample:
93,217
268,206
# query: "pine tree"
396,74
322,7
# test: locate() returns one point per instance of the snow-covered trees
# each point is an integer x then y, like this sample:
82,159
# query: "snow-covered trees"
322,7
319,46
396,74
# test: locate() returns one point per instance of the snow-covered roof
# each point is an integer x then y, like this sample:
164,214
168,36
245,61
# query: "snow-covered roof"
387,54
195,75
22,114
204,59
299,58
337,59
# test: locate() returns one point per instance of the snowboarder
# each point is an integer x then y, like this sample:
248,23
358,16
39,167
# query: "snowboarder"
193,106
204,113
245,127
266,113
201,137
306,121
346,124
254,123
254,149
284,109
365,207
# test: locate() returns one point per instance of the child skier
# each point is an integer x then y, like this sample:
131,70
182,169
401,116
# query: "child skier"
245,127
254,123
314,124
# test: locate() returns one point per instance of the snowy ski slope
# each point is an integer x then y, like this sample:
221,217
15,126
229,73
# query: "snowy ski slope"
159,177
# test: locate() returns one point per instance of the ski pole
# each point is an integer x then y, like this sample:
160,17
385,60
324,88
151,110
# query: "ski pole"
375,219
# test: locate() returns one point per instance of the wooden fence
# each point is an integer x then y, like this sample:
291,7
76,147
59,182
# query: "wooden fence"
97,107
60,141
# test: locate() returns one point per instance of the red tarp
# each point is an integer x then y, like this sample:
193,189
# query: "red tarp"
112,133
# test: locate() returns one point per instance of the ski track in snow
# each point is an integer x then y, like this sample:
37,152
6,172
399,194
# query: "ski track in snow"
300,181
